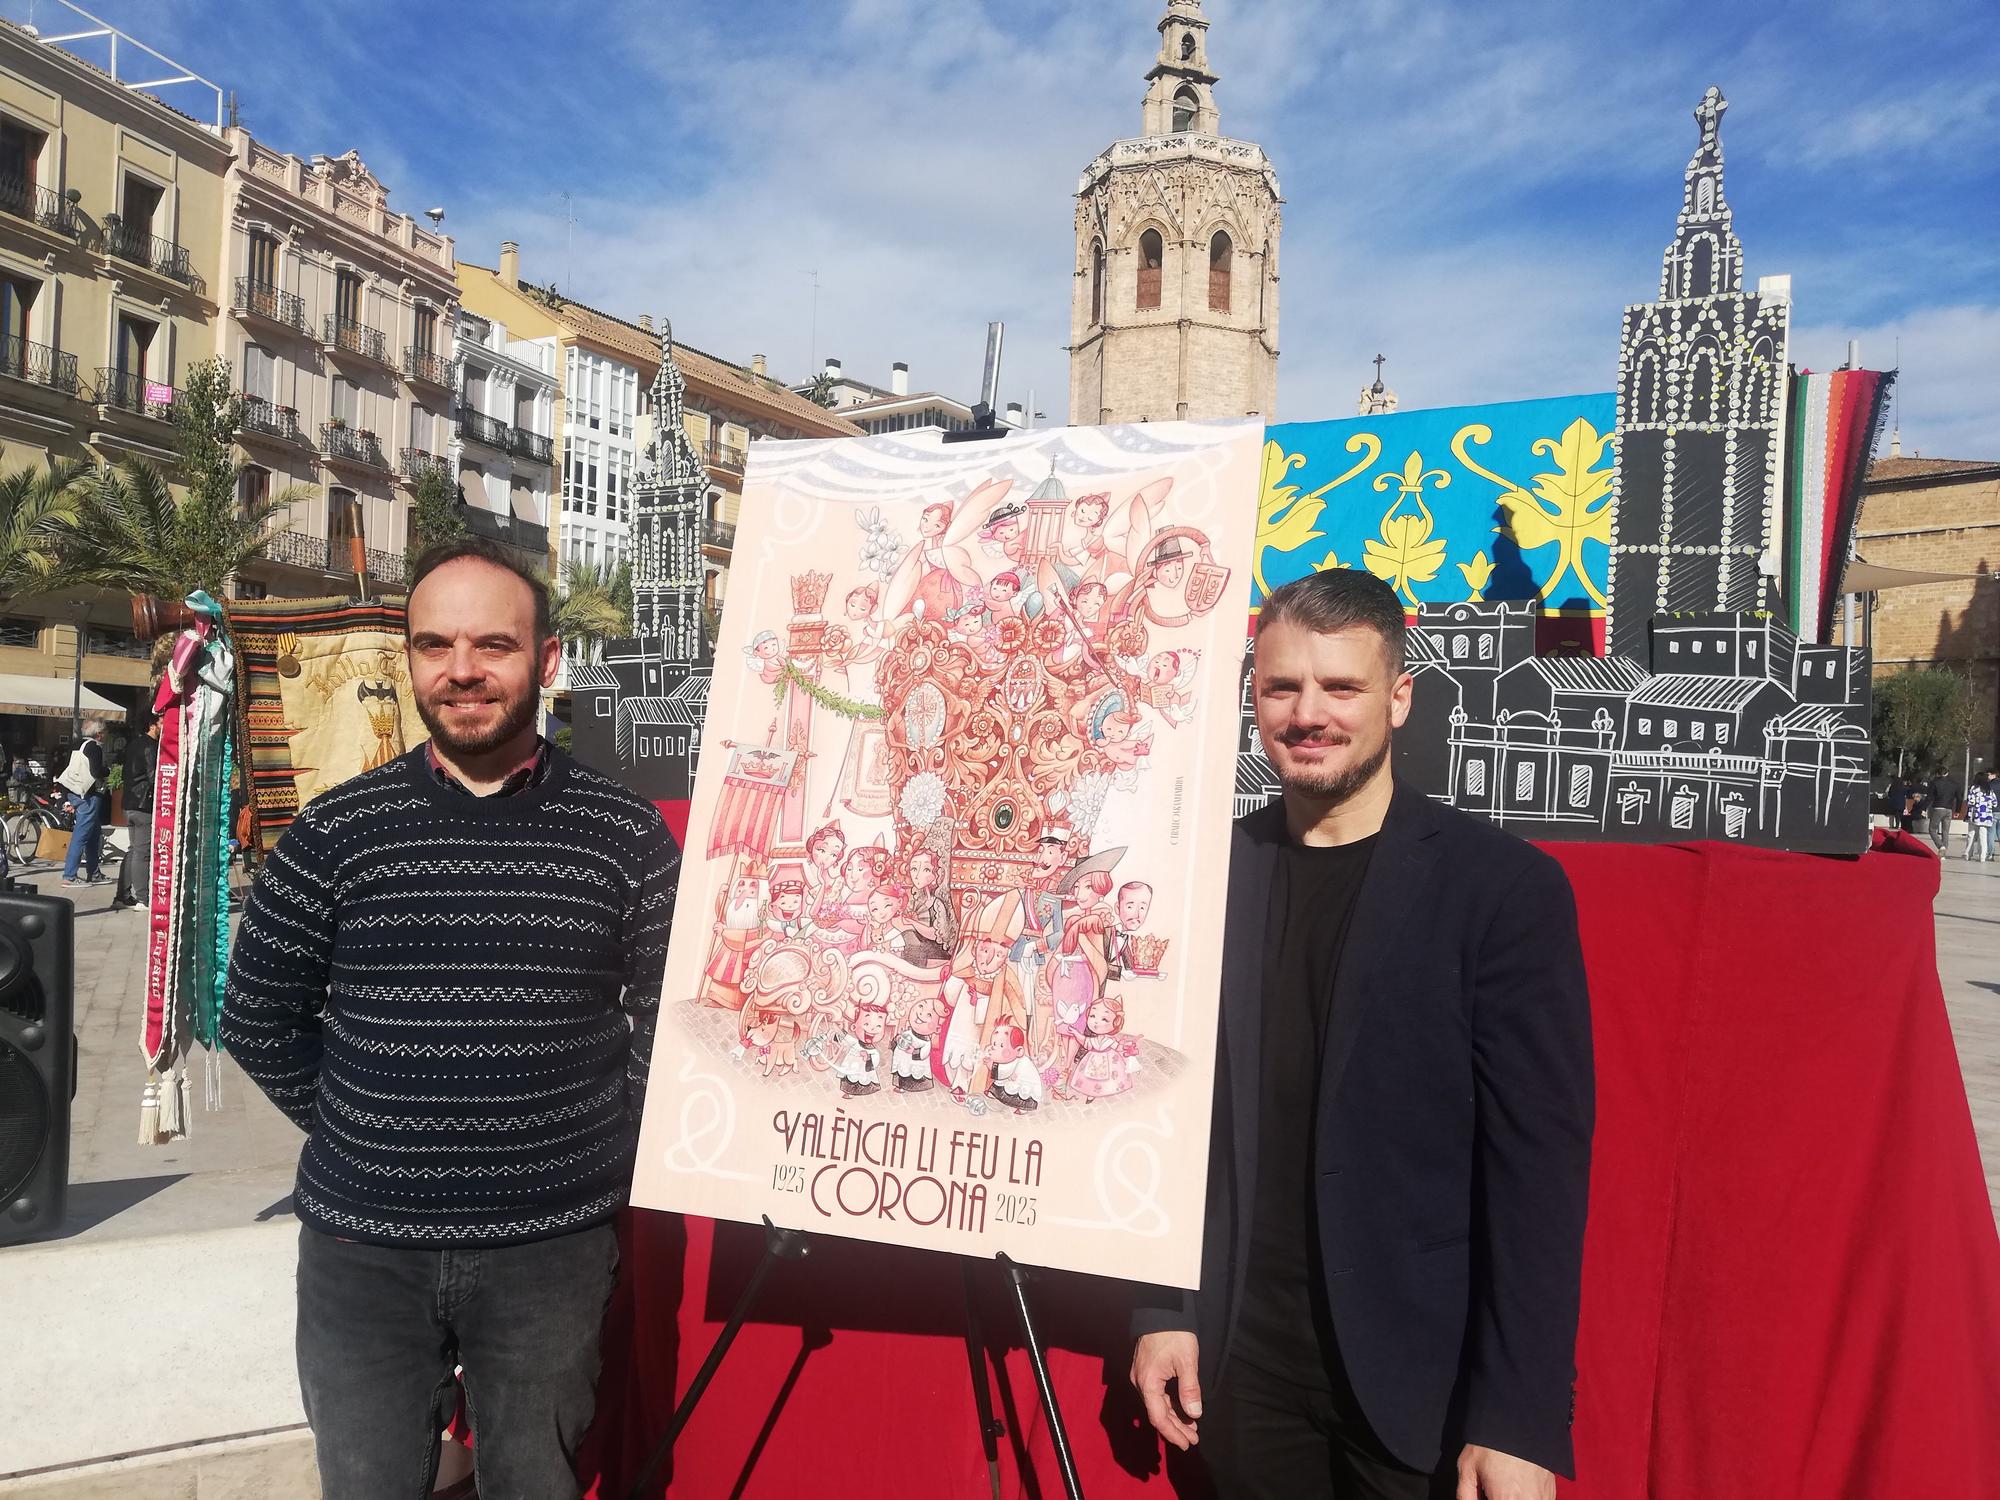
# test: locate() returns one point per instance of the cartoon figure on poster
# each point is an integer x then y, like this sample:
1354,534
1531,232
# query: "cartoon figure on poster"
951,738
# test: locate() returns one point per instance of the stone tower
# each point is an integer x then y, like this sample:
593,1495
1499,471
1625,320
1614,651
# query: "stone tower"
1702,383
666,572
1175,308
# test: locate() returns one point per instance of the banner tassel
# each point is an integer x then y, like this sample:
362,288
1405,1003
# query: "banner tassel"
149,1111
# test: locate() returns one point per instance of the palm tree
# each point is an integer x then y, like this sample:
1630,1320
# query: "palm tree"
593,603
39,507
135,535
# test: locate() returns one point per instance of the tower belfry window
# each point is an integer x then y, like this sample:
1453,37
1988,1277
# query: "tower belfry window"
1187,46
1097,281
1220,256
1151,252
1186,106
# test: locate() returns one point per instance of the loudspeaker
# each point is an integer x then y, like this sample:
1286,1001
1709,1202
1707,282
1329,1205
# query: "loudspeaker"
37,1060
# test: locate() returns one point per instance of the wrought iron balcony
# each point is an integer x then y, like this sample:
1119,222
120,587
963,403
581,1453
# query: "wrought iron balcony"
530,445
385,567
725,456
480,428
262,300
138,244
719,534
529,536
348,445
414,463
39,364
345,336
298,550
127,390
265,417
426,365
39,205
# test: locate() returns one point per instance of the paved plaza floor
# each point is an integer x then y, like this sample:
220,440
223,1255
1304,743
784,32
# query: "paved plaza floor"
171,1282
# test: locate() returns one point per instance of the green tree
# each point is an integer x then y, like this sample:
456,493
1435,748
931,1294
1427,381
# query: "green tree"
436,515
39,509
135,535
820,392
1924,717
592,603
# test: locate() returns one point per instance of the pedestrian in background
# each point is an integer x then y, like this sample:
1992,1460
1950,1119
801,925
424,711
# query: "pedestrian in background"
1979,808
1944,794
84,782
141,763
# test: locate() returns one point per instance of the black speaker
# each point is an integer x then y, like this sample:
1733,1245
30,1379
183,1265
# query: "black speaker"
37,1060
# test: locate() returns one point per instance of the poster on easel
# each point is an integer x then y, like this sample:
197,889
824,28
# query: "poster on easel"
945,966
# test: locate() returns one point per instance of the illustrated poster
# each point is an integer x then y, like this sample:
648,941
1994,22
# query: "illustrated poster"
945,965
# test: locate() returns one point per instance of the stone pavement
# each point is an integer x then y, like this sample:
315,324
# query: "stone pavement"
150,1344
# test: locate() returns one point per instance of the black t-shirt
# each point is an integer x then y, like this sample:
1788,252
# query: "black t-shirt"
1284,1327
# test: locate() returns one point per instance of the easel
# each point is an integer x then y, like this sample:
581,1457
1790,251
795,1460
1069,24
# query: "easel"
793,1244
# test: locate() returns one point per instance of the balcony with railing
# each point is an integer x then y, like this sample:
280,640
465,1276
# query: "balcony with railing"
719,534
344,444
477,427
426,365
530,445
39,365
529,536
414,463
346,336
130,391
297,549
385,567
22,199
267,419
722,455
259,299
139,245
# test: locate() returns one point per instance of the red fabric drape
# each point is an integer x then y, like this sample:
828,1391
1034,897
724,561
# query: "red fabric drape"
1791,1278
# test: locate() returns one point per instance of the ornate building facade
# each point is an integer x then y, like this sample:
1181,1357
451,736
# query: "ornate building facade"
666,555
1701,419
1175,307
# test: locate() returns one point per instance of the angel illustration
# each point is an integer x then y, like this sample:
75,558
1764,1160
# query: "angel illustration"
765,654
934,575
1117,732
1167,683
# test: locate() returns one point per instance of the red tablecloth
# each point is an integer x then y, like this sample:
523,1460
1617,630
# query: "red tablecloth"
1791,1278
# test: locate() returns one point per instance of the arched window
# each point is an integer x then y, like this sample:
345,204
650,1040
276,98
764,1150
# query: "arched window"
1187,46
1646,388
1186,106
1097,281
1151,252
1700,406
1221,256
1704,196
1701,280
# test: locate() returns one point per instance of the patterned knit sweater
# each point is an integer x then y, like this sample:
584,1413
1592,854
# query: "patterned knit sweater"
454,996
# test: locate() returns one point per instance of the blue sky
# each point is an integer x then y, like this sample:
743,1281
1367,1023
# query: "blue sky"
1473,189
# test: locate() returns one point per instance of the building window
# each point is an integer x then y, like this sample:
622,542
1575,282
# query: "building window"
1187,104
1187,46
139,208
17,303
263,266
1722,733
1152,252
343,523
1486,648
1645,726
1673,648
420,429
1702,379
347,296
1646,395
1475,778
1672,729
1524,781
135,346
1579,786
1460,648
1696,646
20,154
259,373
427,330
1695,730
1221,256
1750,650
1702,279
253,488
1097,281
346,403
1681,815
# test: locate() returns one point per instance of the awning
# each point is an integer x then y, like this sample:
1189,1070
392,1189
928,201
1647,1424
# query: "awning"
50,697
1868,578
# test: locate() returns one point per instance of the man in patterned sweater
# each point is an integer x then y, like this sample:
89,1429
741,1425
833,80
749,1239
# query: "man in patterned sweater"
448,975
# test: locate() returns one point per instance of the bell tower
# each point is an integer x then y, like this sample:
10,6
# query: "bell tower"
1174,312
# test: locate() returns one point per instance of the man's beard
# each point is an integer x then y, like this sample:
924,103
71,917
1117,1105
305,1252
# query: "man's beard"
1337,786
514,718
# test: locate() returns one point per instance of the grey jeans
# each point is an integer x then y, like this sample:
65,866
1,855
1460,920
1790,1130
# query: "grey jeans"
1941,827
381,1326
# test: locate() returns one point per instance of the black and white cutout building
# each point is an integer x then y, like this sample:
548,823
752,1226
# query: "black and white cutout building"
1701,417
637,711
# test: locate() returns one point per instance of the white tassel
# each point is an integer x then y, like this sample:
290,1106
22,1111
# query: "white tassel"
149,1112
170,1105
213,1068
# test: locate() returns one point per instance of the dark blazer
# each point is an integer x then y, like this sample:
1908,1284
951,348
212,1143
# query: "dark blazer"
1452,1142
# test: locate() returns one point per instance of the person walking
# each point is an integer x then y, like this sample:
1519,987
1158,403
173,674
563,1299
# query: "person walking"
1400,1148
1980,803
142,763
448,975
83,783
1944,793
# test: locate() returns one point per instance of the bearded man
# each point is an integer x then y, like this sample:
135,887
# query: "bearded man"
447,975
1400,1158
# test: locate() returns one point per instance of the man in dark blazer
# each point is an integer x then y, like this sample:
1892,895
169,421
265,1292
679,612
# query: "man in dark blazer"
1400,1156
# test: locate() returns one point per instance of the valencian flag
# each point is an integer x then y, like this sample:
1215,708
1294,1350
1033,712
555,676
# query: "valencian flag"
752,789
187,954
